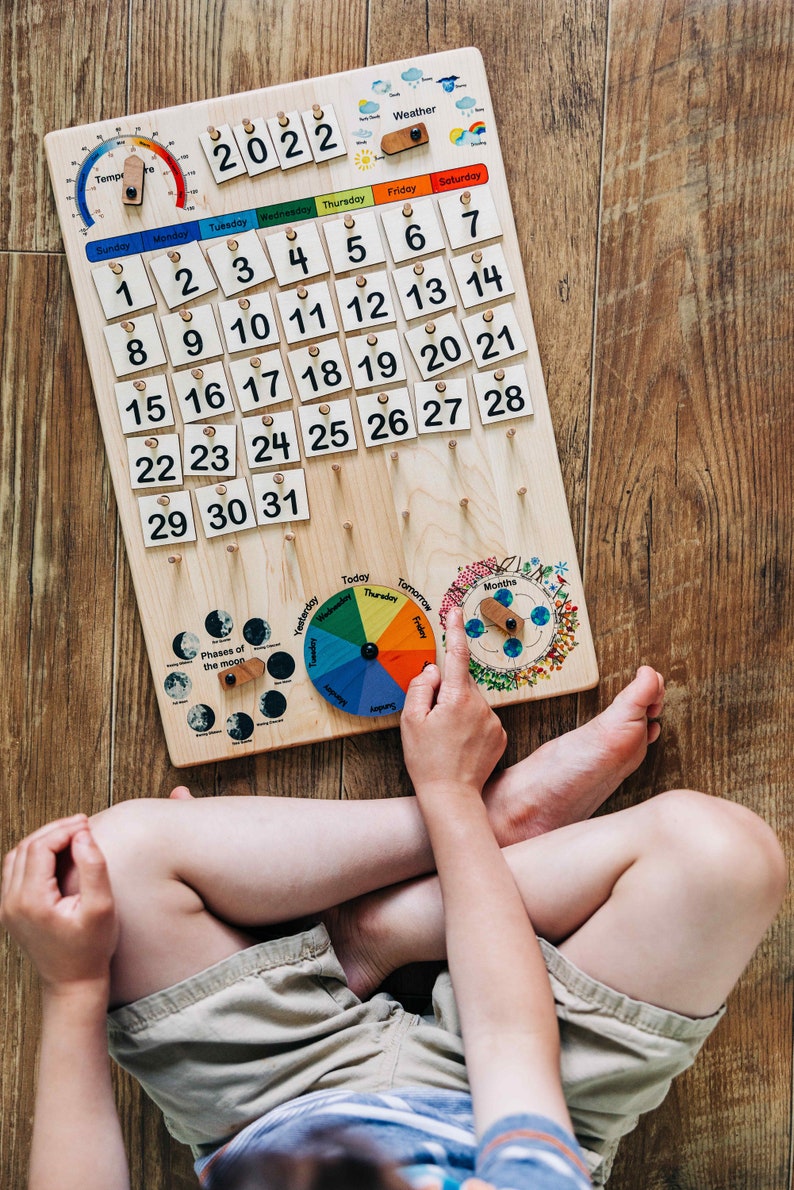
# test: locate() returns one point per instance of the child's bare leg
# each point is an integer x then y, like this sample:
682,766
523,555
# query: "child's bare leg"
190,880
665,901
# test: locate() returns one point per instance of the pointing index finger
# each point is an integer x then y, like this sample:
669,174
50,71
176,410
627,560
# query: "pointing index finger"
456,666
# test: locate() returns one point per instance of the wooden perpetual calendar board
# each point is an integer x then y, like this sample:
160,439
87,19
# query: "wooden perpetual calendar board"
313,356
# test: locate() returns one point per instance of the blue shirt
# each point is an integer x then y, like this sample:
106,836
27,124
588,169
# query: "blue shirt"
428,1134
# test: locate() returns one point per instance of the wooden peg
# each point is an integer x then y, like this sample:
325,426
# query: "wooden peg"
317,111
314,351
232,245
152,443
209,431
419,269
164,501
278,478
289,536
499,374
132,181
325,409
349,222
407,210
372,340
232,548
186,315
488,316
197,373
477,257
282,119
174,559
430,327
302,292
255,361
511,433
465,197
241,672
522,491
405,514
452,444
383,398
361,282
336,468
174,256
441,386
247,125
291,233
139,385
213,131
128,326
267,420
347,526
115,267
504,617
243,303
394,456
464,502
220,489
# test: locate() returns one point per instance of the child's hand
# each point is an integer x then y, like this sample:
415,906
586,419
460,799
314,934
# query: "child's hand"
449,732
69,939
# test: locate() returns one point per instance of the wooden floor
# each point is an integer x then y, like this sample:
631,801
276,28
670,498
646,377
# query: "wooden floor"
648,146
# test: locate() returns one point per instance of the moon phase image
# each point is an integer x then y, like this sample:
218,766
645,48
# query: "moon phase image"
256,631
273,704
281,665
201,718
186,645
177,685
219,624
239,725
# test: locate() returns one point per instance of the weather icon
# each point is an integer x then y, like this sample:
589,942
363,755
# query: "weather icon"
411,76
368,107
381,87
465,103
364,159
448,83
468,136
363,133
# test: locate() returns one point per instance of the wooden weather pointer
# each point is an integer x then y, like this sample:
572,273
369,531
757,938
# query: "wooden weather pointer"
410,137
509,621
132,181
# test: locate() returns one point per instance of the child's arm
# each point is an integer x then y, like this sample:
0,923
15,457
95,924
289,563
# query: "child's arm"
77,1143
452,740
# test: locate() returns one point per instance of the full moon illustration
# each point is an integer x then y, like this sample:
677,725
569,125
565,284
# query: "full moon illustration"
177,685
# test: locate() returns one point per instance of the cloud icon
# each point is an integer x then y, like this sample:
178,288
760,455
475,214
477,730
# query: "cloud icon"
448,83
367,107
466,102
363,133
460,136
412,76
381,87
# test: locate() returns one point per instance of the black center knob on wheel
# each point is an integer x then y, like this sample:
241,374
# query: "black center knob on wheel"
510,623
369,651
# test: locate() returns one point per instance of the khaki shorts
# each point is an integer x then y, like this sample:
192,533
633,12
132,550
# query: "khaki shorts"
278,1020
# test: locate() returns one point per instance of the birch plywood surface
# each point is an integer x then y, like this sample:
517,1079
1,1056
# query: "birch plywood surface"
676,465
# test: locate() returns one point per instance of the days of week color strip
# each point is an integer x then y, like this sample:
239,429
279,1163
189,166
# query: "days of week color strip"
341,201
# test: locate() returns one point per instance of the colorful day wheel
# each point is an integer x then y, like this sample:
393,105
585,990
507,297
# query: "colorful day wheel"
364,645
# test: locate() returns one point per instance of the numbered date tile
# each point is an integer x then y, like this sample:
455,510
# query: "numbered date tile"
134,345
256,147
438,346
271,440
167,520
192,335
240,263
202,393
375,359
386,417
424,288
155,461
365,301
290,140
354,242
442,405
319,370
327,428
494,335
280,496
323,132
307,312
260,381
183,275
222,153
144,404
225,508
412,229
503,394
483,276
211,451
470,216
297,254
248,323
123,287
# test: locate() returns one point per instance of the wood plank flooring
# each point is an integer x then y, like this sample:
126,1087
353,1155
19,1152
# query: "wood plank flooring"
649,147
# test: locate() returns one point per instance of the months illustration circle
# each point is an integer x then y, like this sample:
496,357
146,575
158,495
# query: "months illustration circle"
517,632
364,645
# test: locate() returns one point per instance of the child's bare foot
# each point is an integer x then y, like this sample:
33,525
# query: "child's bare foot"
568,778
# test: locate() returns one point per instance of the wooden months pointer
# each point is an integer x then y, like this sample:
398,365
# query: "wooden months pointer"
509,621
241,672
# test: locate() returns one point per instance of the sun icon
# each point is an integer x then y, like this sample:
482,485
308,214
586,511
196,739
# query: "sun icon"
364,159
